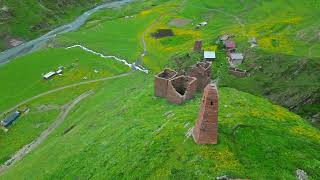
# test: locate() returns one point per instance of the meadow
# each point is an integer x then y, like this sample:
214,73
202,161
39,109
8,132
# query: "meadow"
123,131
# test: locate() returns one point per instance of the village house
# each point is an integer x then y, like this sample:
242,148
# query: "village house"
10,119
209,55
49,75
230,46
197,46
236,58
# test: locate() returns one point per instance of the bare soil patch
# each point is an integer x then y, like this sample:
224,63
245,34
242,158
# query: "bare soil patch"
179,22
161,33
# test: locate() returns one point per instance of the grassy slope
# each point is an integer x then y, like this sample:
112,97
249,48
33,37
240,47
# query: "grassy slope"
22,82
43,112
287,68
124,132
23,16
95,148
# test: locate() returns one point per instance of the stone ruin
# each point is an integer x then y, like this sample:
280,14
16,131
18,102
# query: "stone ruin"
177,87
201,71
161,82
237,72
181,89
197,46
206,129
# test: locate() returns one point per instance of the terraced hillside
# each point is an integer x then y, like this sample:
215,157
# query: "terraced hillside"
122,131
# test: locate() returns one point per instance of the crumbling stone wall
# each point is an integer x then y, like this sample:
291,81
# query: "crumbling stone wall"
201,71
181,89
206,129
237,72
161,82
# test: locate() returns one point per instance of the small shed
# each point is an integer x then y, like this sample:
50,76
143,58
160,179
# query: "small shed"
224,37
236,58
49,75
197,46
203,23
230,45
59,71
209,55
10,119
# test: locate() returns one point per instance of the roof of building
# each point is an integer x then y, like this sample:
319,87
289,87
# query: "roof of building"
209,54
49,74
230,44
12,117
203,23
236,56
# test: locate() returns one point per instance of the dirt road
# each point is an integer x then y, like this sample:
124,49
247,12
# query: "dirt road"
44,135
62,88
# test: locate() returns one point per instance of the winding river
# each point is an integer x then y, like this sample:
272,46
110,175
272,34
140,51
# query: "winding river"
35,44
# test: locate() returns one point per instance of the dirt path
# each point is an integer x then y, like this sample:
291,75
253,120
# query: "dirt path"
44,135
144,44
62,88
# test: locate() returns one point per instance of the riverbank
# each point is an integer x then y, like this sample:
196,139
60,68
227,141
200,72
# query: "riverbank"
37,43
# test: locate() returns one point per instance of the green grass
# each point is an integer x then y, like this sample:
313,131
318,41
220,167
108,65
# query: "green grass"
22,78
120,37
25,16
114,131
116,134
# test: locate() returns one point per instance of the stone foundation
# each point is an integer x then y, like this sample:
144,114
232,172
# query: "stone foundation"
237,72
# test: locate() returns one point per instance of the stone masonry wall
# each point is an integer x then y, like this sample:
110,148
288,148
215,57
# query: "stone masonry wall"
237,72
206,129
181,89
201,71
161,82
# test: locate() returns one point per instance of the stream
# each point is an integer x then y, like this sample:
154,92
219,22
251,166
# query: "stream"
35,44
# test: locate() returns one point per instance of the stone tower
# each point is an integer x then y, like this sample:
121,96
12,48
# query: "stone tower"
206,129
161,82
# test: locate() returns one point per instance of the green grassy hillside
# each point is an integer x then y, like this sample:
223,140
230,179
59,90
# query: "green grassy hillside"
27,20
123,131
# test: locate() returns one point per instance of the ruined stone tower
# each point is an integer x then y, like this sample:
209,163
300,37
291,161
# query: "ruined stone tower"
201,71
206,129
181,89
161,82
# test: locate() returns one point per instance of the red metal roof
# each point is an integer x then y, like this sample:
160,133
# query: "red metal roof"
230,45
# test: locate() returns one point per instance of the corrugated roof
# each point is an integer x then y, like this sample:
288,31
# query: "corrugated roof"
49,74
236,56
209,54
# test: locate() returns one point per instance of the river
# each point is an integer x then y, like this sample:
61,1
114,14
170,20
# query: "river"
35,44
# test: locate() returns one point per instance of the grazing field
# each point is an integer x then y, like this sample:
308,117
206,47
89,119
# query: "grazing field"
124,131
26,20
22,78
